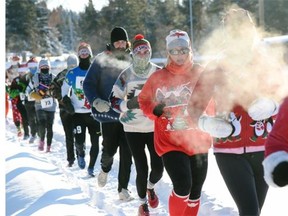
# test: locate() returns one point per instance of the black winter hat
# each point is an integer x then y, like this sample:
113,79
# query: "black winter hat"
118,33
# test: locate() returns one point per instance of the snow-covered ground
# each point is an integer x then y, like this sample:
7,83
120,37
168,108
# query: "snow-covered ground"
39,183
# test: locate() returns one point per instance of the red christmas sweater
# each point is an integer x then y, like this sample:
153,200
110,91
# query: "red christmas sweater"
229,89
174,130
248,135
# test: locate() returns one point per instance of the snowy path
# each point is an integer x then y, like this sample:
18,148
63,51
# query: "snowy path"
39,183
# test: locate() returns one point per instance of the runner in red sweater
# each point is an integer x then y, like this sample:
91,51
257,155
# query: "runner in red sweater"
183,148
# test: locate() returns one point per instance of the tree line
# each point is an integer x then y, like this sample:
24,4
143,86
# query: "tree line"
31,26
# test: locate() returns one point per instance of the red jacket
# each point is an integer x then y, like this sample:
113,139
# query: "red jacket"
174,129
278,138
276,145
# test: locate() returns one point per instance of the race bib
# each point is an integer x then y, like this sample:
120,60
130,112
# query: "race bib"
79,82
22,96
47,102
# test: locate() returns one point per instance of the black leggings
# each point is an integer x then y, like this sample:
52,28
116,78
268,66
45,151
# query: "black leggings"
67,123
32,119
114,137
24,116
45,121
81,121
137,143
187,173
243,175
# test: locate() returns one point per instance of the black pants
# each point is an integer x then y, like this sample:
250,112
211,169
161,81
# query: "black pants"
81,121
137,143
23,113
187,173
32,119
243,175
114,137
45,121
67,123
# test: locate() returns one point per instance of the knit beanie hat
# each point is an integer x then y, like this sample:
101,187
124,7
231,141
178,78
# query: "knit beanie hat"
15,60
32,62
44,63
118,33
72,61
177,38
139,43
23,68
84,48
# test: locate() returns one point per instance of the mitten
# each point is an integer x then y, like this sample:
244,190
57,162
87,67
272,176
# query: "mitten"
14,93
36,96
101,105
159,109
133,103
262,108
215,126
68,105
55,91
280,174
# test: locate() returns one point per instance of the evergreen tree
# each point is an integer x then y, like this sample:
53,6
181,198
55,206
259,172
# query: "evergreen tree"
66,22
21,25
31,26
199,20
276,13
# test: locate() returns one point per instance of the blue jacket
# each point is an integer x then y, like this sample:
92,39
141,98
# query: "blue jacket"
99,81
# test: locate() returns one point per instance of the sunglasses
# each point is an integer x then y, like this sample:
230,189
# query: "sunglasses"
179,52
83,52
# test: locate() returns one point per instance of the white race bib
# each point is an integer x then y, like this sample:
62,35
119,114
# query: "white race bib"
47,102
22,96
79,82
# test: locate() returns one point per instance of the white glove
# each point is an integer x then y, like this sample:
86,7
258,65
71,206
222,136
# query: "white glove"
101,105
262,108
216,127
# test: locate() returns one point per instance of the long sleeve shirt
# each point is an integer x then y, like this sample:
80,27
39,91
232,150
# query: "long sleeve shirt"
73,88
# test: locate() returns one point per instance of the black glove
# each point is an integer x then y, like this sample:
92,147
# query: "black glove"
68,105
133,103
280,174
159,109
55,91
